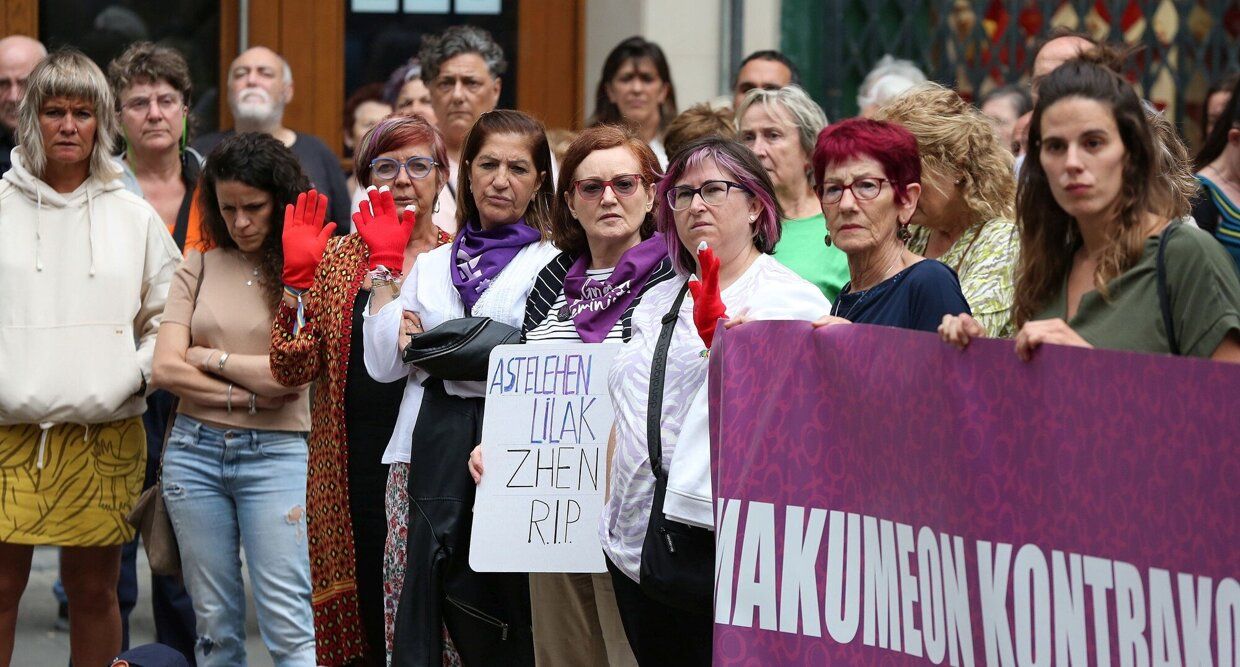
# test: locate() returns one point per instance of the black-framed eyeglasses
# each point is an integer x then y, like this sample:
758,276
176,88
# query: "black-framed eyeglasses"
624,185
713,193
863,189
389,168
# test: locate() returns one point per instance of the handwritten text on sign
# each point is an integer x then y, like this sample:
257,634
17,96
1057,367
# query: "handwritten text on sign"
544,453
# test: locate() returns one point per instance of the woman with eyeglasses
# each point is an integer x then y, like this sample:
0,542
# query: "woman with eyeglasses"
716,195
505,197
356,553
612,257
868,174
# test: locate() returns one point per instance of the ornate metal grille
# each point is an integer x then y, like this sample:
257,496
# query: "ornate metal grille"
975,45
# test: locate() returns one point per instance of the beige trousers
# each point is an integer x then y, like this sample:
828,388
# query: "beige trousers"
576,621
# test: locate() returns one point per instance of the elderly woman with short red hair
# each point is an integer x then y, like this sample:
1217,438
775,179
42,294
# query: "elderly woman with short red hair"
868,175
356,565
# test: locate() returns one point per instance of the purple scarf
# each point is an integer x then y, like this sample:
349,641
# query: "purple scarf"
595,306
480,255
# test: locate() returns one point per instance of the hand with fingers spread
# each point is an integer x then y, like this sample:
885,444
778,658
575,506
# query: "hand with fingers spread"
708,305
305,238
385,231
1040,332
959,329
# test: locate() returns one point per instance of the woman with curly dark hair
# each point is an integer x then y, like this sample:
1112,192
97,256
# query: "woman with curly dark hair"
234,469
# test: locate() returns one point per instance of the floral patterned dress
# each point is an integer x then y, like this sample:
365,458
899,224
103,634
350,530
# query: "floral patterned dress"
984,258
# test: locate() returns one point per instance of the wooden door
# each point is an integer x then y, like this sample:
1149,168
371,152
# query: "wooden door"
310,36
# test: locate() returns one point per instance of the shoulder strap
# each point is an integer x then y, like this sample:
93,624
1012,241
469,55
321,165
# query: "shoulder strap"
189,175
202,271
658,370
176,400
1164,298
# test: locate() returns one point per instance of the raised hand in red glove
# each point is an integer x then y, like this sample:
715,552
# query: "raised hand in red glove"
305,238
385,232
708,305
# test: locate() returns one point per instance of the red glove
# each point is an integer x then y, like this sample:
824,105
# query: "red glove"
708,306
385,232
305,238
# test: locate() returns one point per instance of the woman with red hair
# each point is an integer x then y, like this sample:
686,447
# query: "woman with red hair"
317,336
868,175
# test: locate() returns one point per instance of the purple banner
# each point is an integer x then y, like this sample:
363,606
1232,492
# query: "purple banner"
885,499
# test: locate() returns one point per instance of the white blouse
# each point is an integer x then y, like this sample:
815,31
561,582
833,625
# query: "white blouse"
767,290
429,292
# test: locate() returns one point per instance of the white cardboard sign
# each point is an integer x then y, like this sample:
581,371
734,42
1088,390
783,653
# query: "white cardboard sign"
544,457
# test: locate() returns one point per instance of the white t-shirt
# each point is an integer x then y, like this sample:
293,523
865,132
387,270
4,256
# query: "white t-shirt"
767,290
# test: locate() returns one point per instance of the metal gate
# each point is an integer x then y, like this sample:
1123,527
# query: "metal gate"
975,45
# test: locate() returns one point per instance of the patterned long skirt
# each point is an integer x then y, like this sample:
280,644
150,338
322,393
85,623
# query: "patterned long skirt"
396,501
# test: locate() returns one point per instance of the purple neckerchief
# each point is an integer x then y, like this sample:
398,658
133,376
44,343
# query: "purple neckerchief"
595,306
478,255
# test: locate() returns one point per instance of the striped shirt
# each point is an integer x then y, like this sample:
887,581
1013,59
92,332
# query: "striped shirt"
542,310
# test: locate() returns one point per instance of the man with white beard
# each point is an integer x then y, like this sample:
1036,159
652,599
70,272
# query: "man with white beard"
260,85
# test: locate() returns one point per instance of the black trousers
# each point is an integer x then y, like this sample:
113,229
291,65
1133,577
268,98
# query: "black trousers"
487,614
659,634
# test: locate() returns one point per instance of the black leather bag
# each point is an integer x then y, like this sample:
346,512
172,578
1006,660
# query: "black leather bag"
459,349
678,560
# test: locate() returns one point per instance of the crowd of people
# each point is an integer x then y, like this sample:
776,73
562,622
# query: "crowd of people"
237,322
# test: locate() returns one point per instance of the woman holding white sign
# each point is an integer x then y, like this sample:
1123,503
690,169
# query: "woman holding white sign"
612,256
1104,263
504,204
661,555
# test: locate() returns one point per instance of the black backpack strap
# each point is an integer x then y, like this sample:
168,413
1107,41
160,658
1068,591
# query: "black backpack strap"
1164,297
658,369
190,170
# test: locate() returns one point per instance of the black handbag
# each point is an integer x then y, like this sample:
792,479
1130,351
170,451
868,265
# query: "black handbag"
678,560
459,349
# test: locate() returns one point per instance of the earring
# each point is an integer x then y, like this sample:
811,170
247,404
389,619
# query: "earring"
435,208
827,240
753,217
903,233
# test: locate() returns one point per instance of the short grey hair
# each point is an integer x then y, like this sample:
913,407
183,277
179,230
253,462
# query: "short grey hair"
793,102
69,73
455,41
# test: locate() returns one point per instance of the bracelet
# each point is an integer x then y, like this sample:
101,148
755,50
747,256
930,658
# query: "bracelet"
383,273
300,320
228,398
377,282
253,403
223,358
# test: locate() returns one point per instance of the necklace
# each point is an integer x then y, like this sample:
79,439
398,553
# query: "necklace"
864,294
254,273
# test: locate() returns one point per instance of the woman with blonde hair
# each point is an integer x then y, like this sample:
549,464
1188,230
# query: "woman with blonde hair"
84,274
781,127
964,215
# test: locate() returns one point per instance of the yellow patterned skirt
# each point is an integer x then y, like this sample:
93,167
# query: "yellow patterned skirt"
70,485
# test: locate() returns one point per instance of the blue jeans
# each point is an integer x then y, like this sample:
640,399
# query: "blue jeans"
228,489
